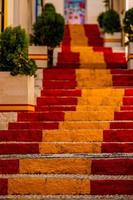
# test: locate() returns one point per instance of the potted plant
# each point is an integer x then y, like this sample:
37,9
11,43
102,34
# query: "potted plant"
17,71
128,29
112,28
49,30
100,22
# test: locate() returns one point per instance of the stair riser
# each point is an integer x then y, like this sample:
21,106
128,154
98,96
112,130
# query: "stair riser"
64,186
57,148
67,166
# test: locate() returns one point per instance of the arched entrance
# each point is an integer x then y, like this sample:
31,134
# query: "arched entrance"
75,11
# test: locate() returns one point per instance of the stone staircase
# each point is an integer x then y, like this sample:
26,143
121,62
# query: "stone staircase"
78,144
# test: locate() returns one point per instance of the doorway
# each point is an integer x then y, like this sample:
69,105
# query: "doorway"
75,11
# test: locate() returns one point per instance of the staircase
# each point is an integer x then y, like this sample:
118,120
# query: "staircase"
78,144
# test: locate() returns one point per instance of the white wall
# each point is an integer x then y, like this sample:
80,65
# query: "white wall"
129,4
93,9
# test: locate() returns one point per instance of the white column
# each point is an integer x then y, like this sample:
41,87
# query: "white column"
129,4
10,9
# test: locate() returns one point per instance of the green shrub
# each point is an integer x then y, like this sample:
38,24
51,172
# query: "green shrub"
49,7
49,30
111,22
14,52
100,19
128,23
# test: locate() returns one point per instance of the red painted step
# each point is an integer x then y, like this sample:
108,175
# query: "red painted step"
123,115
56,84
61,92
115,147
118,135
127,108
121,125
121,71
41,101
55,108
112,166
99,166
128,100
19,148
21,135
3,186
41,116
9,166
111,187
31,125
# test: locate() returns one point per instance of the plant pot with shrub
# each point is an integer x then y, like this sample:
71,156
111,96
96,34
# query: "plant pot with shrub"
128,29
112,29
49,30
17,71
100,22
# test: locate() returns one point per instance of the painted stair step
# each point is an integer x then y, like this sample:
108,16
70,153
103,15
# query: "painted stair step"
53,76
121,125
123,115
21,135
64,185
89,100
55,108
60,84
78,108
115,65
122,84
87,166
122,78
41,116
129,92
61,92
56,101
31,125
81,135
128,101
127,108
67,147
122,71
88,135
118,135
68,116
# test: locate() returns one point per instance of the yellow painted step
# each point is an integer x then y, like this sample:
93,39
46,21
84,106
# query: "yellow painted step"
109,91
84,125
97,108
70,147
100,101
89,116
55,166
73,135
47,186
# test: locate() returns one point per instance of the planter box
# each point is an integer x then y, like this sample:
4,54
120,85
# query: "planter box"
39,54
16,92
112,40
130,55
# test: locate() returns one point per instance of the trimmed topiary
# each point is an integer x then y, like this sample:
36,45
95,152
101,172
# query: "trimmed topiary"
14,52
49,30
111,22
100,19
